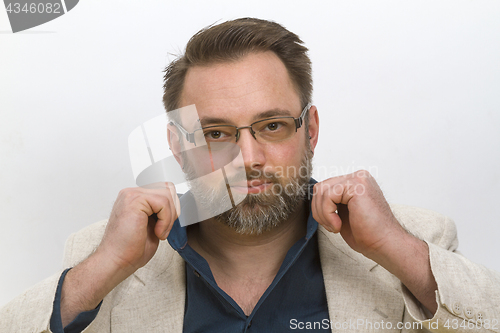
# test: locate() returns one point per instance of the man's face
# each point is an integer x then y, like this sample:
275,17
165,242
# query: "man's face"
239,93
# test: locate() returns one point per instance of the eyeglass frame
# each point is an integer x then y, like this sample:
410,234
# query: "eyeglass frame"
190,135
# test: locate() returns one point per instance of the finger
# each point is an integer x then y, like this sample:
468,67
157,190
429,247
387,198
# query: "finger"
329,208
158,202
177,204
322,197
343,213
315,204
168,190
152,186
314,210
166,217
324,208
318,198
152,222
159,199
159,188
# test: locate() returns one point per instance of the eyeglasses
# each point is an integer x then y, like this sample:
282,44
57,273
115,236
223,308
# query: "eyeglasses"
273,129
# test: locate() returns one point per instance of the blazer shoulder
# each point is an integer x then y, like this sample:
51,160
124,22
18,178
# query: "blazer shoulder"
83,243
427,224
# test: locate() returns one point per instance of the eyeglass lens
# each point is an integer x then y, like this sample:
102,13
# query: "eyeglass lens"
267,130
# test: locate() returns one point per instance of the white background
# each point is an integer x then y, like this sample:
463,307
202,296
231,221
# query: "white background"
409,90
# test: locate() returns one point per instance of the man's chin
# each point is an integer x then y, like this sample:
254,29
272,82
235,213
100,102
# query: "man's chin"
262,199
251,206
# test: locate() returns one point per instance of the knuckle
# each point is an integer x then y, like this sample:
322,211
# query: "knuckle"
123,192
166,203
126,192
362,175
130,195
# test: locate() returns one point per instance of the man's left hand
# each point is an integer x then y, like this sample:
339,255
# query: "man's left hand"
355,206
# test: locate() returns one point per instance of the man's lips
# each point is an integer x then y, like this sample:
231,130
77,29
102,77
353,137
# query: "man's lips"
252,186
257,182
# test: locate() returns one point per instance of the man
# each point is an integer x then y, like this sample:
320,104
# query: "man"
265,265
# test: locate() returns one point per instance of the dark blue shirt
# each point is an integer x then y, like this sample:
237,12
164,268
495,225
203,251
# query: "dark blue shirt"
297,293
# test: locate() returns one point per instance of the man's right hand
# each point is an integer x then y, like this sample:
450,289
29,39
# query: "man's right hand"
140,218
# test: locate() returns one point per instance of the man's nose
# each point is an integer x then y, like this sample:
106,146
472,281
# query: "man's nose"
251,150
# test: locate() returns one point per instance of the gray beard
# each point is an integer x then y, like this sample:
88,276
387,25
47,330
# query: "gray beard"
260,212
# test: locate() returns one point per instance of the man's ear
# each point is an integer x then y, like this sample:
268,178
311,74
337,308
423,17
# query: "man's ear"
313,127
174,142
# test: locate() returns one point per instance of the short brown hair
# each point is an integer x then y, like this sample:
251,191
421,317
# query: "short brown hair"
230,41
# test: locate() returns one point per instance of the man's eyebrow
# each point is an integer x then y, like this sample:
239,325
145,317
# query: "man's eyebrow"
208,121
273,113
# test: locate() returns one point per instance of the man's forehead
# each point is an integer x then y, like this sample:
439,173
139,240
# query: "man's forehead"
254,87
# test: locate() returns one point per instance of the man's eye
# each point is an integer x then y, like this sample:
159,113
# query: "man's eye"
214,134
274,126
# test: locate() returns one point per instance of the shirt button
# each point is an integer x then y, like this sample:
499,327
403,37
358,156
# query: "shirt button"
457,308
469,312
196,273
480,316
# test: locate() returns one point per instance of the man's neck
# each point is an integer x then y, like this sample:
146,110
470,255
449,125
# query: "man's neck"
237,255
245,265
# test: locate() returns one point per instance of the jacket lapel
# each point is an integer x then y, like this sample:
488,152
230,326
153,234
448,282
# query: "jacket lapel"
154,297
361,295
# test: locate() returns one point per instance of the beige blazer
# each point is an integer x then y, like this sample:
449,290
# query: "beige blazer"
362,296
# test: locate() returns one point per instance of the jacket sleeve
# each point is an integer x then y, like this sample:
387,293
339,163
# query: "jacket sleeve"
468,294
31,311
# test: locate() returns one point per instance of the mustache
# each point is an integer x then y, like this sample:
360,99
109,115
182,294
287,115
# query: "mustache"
252,174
